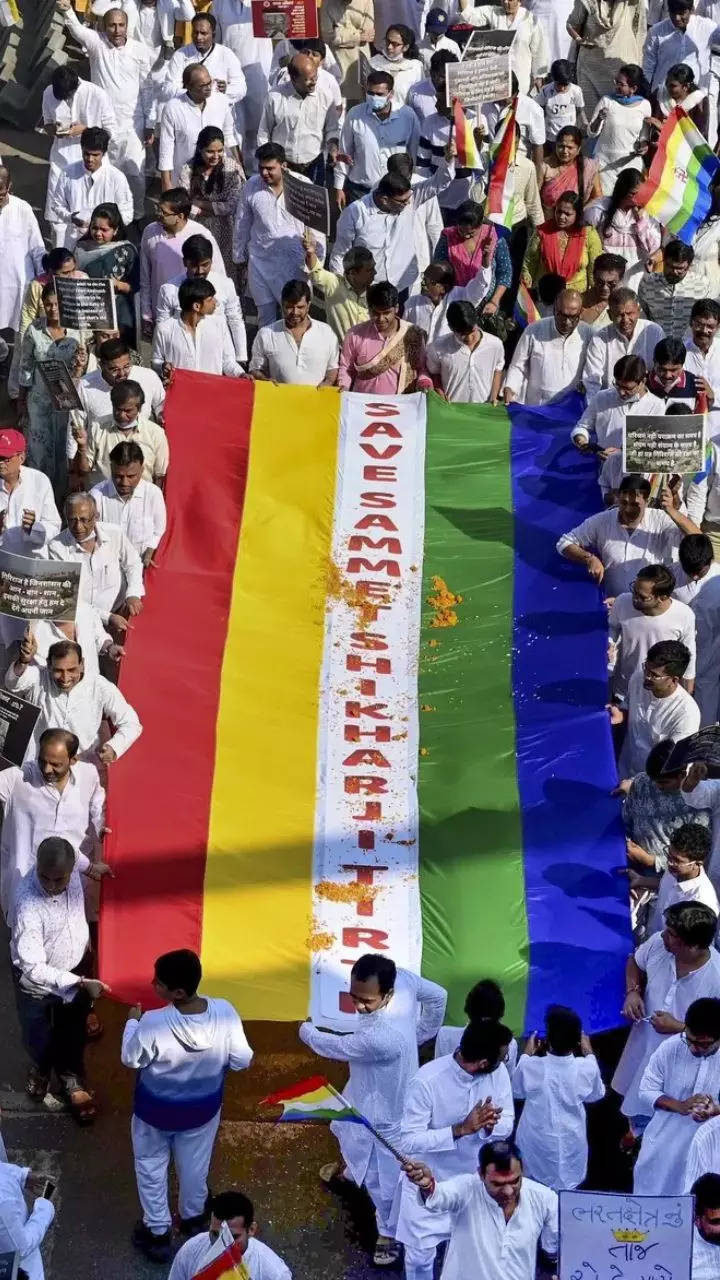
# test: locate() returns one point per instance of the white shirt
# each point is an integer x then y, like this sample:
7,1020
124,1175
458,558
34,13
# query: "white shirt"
528,54
142,518
604,421
49,937
664,990
482,1244
545,364
607,347
561,109
704,1153
206,349
634,633
90,634
704,365
552,1132
673,1071
34,809
260,1261
82,710
94,393
22,1231
622,550
369,141
80,192
32,493
650,720
227,303
111,572
706,795
665,46
705,1261
220,63
276,353
703,597
22,250
124,73
672,891
89,105
181,122
466,376
448,1040
432,319
302,125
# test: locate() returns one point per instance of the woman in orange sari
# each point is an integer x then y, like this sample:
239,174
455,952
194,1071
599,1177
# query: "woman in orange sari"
563,246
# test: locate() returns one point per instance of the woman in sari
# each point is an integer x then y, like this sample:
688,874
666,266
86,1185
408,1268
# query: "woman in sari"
463,246
563,246
607,34
105,253
566,169
46,427
215,182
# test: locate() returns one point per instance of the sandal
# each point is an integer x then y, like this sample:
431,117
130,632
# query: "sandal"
387,1251
93,1026
332,1172
36,1084
82,1105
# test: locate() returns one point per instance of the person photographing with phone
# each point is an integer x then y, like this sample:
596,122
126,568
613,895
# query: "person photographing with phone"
22,1231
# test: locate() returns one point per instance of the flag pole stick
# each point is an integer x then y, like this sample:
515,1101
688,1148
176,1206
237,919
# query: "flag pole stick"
393,1150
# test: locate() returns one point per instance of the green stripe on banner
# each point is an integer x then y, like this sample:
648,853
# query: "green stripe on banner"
471,864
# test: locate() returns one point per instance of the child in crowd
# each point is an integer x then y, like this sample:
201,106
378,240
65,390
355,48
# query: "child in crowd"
562,101
556,1076
485,1002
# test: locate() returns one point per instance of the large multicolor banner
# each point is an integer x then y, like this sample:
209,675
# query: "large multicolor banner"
373,714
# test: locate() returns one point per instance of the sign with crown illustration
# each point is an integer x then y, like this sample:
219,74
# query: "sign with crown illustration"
606,1236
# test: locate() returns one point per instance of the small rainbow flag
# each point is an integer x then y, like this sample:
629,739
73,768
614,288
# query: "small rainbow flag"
223,1261
500,202
525,312
677,189
313,1100
468,156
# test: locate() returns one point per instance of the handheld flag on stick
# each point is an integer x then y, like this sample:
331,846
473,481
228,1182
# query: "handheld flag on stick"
524,312
677,189
500,203
468,156
315,1100
223,1261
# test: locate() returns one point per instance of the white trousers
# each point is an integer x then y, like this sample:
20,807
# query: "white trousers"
419,1264
383,1205
191,1150
127,153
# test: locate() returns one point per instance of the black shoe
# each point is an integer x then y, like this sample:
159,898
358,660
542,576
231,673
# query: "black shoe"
194,1226
156,1248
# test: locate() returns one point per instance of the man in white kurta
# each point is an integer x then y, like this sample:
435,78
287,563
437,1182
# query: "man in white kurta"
549,357
680,1086
227,303
445,1122
220,61
198,339
54,795
497,1216
702,593
184,117
22,250
86,183
529,53
603,421
704,1152
111,576
628,334
70,105
396,1011
658,707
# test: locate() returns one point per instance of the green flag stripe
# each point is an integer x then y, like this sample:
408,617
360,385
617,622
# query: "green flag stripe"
471,865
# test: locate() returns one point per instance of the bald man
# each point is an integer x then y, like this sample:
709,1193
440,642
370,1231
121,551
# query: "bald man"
184,116
122,68
301,115
550,355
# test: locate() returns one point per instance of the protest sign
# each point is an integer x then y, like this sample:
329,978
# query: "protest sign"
86,304
307,202
701,746
669,444
363,69
60,386
31,588
604,1236
294,19
483,73
18,718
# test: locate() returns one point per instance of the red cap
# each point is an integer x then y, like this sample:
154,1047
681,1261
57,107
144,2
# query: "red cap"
11,442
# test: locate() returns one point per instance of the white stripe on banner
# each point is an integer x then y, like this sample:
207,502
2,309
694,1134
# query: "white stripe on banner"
365,891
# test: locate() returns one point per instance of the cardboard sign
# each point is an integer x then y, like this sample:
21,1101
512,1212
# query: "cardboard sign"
31,588
18,718
605,1236
659,443
701,746
86,304
307,202
295,19
483,73
60,386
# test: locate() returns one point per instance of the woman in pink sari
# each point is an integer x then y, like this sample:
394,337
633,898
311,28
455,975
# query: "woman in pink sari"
567,169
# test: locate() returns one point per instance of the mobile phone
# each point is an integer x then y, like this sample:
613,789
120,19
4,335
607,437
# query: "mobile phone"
48,1190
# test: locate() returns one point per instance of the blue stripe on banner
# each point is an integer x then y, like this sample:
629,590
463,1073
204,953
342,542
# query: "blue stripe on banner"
577,906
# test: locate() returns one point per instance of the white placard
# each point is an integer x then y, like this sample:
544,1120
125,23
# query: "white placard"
604,1236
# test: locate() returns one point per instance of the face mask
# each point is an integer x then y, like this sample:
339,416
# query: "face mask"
376,101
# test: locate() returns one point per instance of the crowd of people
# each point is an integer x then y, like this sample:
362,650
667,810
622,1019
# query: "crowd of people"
414,289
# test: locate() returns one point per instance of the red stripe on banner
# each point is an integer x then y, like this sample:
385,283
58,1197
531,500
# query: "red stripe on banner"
160,792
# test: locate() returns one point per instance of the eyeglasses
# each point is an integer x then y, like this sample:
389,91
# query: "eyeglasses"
699,1049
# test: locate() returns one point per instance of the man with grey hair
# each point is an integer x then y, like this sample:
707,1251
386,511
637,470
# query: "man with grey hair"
628,334
112,577
549,357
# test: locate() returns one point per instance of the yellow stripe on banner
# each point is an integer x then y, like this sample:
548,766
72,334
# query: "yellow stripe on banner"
259,872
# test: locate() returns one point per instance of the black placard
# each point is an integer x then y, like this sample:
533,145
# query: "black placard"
61,388
86,304
307,202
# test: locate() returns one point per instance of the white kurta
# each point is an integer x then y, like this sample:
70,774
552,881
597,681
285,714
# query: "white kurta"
482,1244
706,795
262,1263
270,239
673,1071
220,63
22,1231
603,421
624,550
608,346
90,106
620,130
448,1040
79,192
227,303
545,364
652,720
664,991
634,633
82,710
181,122
552,1133
255,56
552,15
440,1095
205,349
22,249
703,597
529,53
704,1152
90,634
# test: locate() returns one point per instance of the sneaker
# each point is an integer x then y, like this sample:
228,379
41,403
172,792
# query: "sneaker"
156,1248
